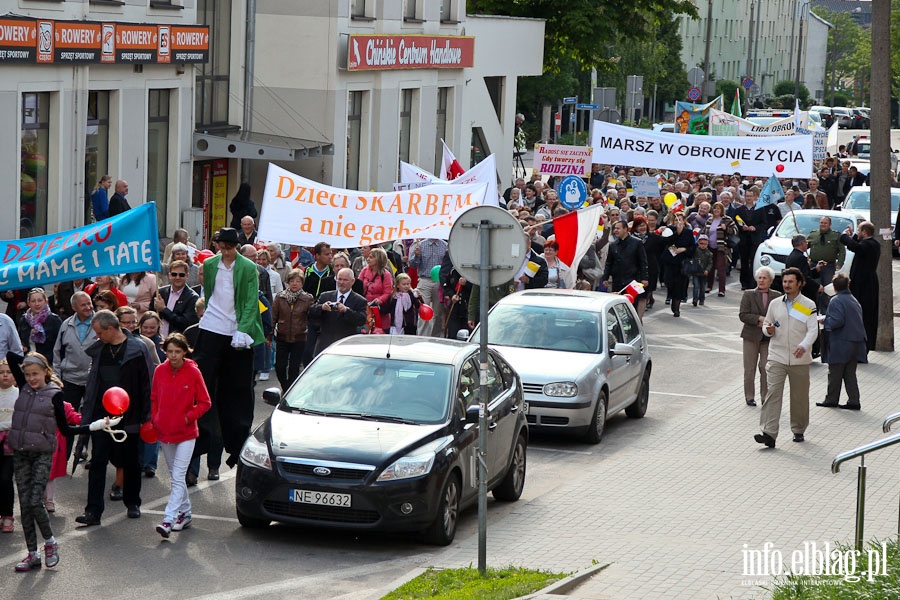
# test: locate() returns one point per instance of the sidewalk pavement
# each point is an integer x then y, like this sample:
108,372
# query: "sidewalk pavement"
674,509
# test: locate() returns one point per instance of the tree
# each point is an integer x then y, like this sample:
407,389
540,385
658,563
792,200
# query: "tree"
786,88
725,88
848,46
579,28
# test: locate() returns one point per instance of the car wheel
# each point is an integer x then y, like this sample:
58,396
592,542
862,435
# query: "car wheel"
510,489
598,422
443,529
251,522
638,408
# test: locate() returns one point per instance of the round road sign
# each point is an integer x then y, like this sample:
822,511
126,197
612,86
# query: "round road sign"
694,94
507,244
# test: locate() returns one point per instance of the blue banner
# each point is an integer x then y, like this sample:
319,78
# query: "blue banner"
125,243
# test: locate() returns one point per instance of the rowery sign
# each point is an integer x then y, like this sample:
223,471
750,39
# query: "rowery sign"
389,52
26,40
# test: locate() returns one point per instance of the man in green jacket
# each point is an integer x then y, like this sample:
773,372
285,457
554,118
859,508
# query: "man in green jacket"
229,329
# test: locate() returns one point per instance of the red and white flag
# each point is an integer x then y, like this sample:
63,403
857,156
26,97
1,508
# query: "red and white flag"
450,167
575,232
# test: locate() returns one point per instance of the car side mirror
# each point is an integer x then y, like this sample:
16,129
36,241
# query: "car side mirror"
472,414
462,335
272,396
623,350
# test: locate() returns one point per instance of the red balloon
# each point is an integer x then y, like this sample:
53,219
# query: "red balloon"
116,401
779,168
148,433
426,313
203,255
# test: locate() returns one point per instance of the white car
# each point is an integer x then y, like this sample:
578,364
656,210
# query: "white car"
773,252
858,202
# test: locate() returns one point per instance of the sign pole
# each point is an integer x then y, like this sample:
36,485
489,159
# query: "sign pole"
485,267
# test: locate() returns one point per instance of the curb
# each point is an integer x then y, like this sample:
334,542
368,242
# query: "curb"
563,586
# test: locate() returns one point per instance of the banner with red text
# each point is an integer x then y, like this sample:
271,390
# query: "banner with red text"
557,159
296,210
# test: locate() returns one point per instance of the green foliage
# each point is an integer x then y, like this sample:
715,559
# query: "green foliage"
783,101
725,88
786,88
579,29
497,584
885,585
849,56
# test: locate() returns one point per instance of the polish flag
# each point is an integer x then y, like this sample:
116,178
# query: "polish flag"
575,232
450,167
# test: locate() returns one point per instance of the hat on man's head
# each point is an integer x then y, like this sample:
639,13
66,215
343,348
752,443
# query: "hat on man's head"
227,235
702,236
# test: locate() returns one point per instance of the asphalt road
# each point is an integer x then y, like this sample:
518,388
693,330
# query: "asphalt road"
216,558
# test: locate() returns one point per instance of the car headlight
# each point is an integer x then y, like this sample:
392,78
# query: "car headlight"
416,463
256,453
563,389
765,260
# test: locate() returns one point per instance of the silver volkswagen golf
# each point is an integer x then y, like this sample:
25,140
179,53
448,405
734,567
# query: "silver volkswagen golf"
582,357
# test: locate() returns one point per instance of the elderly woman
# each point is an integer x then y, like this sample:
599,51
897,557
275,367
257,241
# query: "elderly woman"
556,268
181,252
719,227
680,247
754,304
289,314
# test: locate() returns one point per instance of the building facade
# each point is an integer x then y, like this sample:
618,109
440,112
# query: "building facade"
343,90
759,39
89,88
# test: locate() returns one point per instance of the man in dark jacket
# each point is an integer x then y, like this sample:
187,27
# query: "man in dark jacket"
797,258
118,203
864,275
846,345
339,313
175,302
626,260
117,360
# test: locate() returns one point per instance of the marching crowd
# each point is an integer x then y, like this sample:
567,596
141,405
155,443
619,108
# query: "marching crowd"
188,343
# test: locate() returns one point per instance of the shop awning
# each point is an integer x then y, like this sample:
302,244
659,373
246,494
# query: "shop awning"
253,145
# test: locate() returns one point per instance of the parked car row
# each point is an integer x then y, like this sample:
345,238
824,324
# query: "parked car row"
846,118
381,432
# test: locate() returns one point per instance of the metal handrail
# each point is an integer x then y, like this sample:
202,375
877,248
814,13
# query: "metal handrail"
863,450
888,421
860,453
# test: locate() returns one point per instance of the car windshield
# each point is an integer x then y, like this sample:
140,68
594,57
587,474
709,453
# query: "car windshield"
544,328
805,223
860,200
373,388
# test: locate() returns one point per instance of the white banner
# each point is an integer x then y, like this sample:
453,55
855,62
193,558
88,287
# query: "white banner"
786,156
300,211
558,159
644,185
722,123
484,172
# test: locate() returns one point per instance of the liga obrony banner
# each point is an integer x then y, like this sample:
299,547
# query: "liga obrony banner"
784,156
125,243
300,211
723,123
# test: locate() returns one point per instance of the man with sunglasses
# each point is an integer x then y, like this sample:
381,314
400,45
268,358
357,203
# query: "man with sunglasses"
175,302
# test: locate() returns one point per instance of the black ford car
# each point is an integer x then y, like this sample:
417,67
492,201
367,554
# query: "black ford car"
381,433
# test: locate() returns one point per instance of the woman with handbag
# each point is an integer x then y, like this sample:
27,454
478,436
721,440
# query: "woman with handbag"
680,247
722,232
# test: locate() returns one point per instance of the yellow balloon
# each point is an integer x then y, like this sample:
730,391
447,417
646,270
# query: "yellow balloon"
670,198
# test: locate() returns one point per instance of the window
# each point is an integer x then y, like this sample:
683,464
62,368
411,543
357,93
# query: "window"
359,9
410,10
448,15
212,78
613,331
494,381
480,149
35,148
406,105
467,394
158,155
505,371
96,147
494,87
629,325
441,126
354,137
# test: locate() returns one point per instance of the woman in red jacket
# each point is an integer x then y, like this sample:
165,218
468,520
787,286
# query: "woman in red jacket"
178,397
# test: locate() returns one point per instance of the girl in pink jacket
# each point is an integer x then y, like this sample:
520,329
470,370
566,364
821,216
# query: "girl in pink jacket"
178,398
